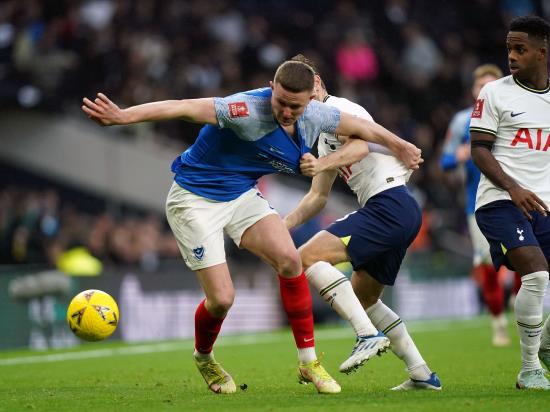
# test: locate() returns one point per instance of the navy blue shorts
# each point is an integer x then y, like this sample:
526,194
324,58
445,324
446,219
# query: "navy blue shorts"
506,228
378,235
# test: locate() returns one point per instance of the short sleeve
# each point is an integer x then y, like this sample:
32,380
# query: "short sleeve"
249,116
326,117
484,117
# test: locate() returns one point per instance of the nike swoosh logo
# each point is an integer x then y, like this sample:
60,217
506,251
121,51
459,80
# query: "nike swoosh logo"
308,340
515,114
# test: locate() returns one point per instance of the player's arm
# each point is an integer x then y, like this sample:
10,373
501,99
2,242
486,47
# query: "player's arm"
355,126
103,111
352,151
483,158
314,201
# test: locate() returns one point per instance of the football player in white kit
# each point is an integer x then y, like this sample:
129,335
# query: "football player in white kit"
374,239
510,140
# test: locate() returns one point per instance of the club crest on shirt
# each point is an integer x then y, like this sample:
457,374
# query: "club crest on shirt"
238,109
199,252
478,109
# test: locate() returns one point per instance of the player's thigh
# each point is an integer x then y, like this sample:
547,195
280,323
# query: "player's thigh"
527,259
366,287
197,224
258,228
270,240
511,237
218,287
324,246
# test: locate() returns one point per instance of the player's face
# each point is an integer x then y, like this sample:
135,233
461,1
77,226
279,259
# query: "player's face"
479,83
524,55
288,106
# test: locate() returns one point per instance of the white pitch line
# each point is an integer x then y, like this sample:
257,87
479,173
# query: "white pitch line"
337,333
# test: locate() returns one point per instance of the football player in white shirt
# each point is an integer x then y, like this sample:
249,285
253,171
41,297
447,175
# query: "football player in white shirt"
510,139
374,239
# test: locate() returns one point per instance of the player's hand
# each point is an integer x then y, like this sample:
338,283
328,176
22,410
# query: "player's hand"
103,111
527,201
410,155
463,153
309,165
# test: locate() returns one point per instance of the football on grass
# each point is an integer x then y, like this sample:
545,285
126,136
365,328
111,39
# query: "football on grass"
93,315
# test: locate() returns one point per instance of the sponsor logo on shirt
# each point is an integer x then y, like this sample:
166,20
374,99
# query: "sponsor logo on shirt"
512,114
238,109
478,109
275,150
533,139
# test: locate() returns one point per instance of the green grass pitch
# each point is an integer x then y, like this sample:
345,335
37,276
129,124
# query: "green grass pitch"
111,376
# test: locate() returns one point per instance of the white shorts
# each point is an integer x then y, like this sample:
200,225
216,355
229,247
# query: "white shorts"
482,252
199,223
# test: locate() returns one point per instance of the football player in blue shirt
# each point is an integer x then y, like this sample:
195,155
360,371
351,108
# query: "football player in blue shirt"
247,135
456,152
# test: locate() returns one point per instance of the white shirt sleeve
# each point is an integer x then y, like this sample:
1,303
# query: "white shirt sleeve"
485,117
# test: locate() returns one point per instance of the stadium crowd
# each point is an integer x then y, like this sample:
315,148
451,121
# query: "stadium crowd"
36,228
409,62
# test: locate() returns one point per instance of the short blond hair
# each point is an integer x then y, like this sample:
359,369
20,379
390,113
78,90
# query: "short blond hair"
486,70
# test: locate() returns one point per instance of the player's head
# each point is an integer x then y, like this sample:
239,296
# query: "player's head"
527,44
484,74
292,89
319,88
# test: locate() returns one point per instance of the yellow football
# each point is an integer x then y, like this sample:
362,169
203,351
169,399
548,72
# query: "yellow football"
93,315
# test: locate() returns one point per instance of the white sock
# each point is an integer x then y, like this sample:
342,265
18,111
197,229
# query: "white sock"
528,309
402,344
337,291
306,355
545,339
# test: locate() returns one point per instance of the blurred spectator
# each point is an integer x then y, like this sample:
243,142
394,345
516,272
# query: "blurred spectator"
37,227
355,58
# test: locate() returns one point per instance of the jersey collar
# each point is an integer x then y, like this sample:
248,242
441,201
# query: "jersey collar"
529,89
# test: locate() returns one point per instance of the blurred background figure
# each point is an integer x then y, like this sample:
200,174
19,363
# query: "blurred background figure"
456,153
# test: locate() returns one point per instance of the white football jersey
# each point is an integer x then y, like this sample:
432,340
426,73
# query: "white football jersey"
519,117
378,171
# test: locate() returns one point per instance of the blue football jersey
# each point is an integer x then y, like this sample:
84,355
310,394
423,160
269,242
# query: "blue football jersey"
226,161
457,134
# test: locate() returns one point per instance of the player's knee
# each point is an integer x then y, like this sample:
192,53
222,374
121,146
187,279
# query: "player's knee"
368,301
308,257
219,305
536,282
288,263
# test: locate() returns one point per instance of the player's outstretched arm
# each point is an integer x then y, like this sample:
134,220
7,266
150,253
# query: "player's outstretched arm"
483,158
103,111
352,151
314,201
408,153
